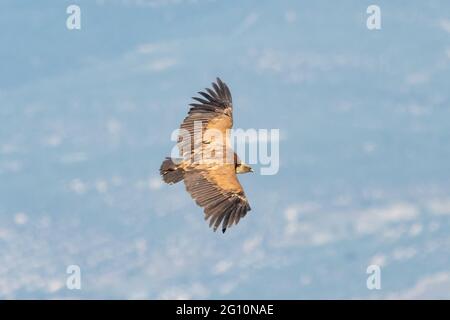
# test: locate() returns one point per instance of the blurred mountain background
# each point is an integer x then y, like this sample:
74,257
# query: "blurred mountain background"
86,118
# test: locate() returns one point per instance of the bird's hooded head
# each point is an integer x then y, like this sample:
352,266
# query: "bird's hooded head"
243,168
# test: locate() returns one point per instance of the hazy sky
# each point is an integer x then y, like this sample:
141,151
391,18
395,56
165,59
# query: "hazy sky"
86,118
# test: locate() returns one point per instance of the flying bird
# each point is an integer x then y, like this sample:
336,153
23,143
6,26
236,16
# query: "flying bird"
208,165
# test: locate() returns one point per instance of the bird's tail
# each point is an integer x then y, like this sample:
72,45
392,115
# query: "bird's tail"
171,172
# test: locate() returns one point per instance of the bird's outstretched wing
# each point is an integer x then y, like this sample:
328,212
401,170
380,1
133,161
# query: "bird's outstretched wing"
213,112
218,191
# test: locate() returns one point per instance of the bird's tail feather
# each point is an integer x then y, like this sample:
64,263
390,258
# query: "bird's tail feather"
171,172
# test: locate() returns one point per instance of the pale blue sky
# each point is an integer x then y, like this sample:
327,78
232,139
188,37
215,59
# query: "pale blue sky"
86,118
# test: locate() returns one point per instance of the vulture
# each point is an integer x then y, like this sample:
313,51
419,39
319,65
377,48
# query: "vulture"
207,164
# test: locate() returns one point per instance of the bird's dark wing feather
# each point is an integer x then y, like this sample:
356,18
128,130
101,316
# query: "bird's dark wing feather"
214,110
219,192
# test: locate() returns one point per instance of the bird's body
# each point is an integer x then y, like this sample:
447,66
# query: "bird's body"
208,165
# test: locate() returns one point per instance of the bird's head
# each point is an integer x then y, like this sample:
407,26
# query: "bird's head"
243,168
